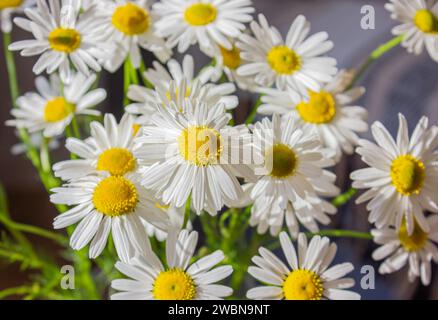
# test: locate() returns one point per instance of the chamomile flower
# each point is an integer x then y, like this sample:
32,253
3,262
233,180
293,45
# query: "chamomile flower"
419,26
188,153
402,177
207,22
63,37
293,181
307,275
110,149
10,7
177,279
103,204
131,25
398,248
51,111
296,63
329,111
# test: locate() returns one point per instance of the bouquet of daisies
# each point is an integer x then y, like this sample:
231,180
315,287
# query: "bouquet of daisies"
176,200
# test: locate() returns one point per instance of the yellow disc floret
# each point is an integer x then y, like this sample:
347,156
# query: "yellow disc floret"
174,284
200,14
57,109
281,160
117,161
64,40
321,108
303,285
408,174
10,4
231,58
115,196
200,145
426,21
131,20
283,60
414,242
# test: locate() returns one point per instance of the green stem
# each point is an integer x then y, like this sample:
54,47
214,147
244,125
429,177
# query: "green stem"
253,113
75,127
126,81
187,213
344,197
337,233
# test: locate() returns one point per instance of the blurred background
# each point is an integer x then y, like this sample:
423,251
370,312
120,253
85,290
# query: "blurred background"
398,82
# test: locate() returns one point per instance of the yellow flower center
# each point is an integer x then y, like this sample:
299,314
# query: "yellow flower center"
408,174
200,145
174,284
131,20
200,14
283,60
117,161
282,161
64,40
426,21
115,196
414,242
10,4
231,58
303,285
320,109
58,109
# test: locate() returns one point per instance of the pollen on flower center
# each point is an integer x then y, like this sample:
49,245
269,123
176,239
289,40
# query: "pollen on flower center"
200,145
131,20
231,58
426,21
174,284
200,14
64,40
414,242
281,160
117,161
115,196
57,109
321,108
10,4
303,285
408,174
284,60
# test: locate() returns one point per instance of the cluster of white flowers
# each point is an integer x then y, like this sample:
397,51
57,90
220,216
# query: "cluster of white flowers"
174,147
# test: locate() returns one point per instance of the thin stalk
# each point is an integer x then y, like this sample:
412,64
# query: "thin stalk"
253,113
337,233
187,213
344,197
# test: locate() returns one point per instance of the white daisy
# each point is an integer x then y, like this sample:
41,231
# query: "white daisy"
295,63
110,149
178,279
176,219
175,86
398,248
290,187
131,25
419,26
329,111
63,36
10,7
307,276
207,22
403,175
189,153
51,111
104,204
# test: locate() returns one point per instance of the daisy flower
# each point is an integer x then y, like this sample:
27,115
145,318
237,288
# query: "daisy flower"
110,149
131,25
402,177
188,153
398,248
176,219
419,26
178,280
329,111
104,204
51,111
10,7
290,187
207,22
307,275
295,63
62,37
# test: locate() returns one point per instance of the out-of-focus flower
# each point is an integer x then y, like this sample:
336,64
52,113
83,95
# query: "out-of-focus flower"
10,7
